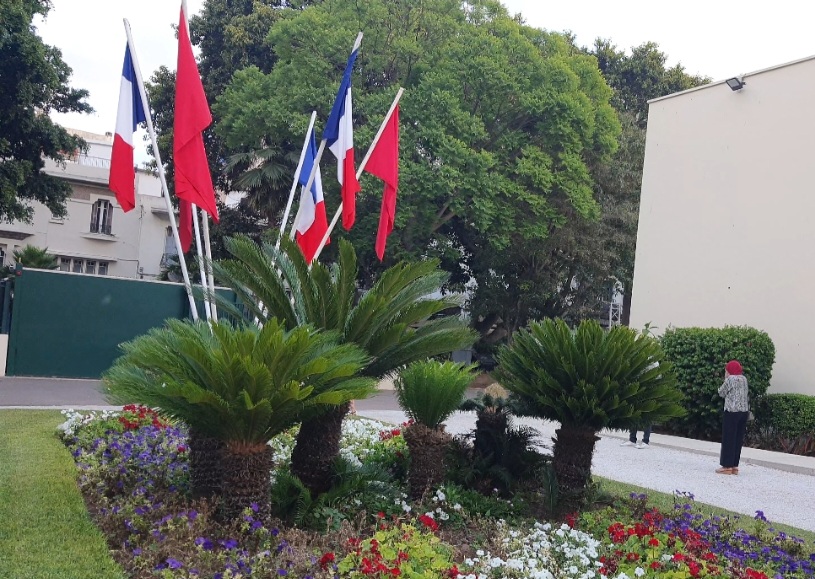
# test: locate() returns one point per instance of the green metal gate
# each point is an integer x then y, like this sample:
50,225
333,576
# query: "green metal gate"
70,325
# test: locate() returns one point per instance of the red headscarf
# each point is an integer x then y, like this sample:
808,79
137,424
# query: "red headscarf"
733,368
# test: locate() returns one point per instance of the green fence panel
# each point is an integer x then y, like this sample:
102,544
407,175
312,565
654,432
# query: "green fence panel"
70,325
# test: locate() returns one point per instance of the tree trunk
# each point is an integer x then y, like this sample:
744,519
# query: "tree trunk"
428,450
247,480
206,468
490,426
316,449
572,453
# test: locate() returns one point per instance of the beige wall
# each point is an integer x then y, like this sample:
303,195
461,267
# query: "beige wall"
138,237
726,232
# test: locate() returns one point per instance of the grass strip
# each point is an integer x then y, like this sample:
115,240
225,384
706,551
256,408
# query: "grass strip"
45,530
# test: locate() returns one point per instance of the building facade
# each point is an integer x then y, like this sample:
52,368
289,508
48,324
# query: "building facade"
96,236
726,232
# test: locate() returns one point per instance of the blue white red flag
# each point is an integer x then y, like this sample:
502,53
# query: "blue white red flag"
122,180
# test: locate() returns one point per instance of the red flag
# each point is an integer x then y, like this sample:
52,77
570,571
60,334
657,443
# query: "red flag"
185,224
384,163
193,181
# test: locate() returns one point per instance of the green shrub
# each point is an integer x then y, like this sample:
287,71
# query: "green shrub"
699,356
787,415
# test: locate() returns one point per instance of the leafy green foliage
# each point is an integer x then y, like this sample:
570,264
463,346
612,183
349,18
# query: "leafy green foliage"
430,391
788,415
35,82
391,321
589,378
501,457
498,168
244,385
699,356
30,256
293,502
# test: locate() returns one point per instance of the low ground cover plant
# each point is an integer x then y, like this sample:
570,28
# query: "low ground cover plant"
136,484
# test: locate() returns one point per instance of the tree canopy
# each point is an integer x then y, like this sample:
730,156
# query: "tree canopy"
34,81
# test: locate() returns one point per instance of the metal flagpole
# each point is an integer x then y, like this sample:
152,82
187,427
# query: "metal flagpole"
207,305
306,143
166,192
208,264
359,170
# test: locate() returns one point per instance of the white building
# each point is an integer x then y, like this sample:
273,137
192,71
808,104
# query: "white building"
96,236
726,232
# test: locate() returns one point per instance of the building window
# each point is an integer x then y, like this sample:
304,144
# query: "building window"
77,265
102,217
2,256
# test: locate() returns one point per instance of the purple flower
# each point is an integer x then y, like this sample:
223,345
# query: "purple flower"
204,543
229,544
174,563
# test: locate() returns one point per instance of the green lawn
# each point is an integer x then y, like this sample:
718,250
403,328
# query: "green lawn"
665,503
45,530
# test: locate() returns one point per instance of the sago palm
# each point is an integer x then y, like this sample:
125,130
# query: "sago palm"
429,392
240,386
35,257
587,380
391,322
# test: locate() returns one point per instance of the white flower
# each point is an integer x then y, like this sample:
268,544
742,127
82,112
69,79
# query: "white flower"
639,571
480,552
456,507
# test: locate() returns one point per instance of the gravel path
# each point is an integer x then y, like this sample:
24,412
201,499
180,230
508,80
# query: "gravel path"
784,497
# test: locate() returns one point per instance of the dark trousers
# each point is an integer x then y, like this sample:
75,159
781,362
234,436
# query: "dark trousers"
733,428
646,435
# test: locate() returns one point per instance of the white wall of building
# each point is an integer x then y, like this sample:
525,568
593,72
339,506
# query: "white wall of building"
726,232
136,242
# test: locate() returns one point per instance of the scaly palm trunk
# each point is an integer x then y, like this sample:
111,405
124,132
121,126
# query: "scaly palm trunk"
571,460
490,426
316,449
206,468
428,450
247,479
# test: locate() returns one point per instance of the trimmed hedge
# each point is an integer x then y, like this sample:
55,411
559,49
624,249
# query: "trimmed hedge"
699,356
788,415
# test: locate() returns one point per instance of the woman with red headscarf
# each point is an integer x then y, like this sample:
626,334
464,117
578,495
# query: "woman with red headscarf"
736,411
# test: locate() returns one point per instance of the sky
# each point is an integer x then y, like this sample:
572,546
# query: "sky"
715,38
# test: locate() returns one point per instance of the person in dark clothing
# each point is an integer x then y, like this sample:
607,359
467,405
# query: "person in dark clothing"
734,390
632,438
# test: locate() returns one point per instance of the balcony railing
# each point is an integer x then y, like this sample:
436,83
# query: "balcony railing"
88,161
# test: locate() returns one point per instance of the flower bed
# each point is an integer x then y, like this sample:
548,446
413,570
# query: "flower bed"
134,476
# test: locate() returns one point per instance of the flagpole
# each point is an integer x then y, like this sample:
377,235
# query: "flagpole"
312,175
162,177
360,169
203,272
296,178
208,264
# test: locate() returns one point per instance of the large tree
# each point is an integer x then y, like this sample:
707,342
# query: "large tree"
35,82
497,133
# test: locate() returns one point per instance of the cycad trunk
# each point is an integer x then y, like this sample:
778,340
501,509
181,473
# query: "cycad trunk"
206,468
490,426
247,479
317,448
571,460
428,449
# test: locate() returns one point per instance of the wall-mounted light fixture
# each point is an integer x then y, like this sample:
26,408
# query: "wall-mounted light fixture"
735,83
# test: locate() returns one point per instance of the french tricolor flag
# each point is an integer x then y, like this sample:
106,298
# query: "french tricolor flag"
339,136
122,179
310,223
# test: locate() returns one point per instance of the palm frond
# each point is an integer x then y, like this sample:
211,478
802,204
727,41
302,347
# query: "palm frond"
430,391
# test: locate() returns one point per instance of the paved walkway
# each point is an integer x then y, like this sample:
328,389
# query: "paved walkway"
778,484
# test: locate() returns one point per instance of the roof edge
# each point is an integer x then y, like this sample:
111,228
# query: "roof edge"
744,75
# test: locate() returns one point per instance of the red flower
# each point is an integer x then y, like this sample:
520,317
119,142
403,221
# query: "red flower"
429,522
654,542
380,515
656,565
453,572
326,559
182,448
632,557
678,557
